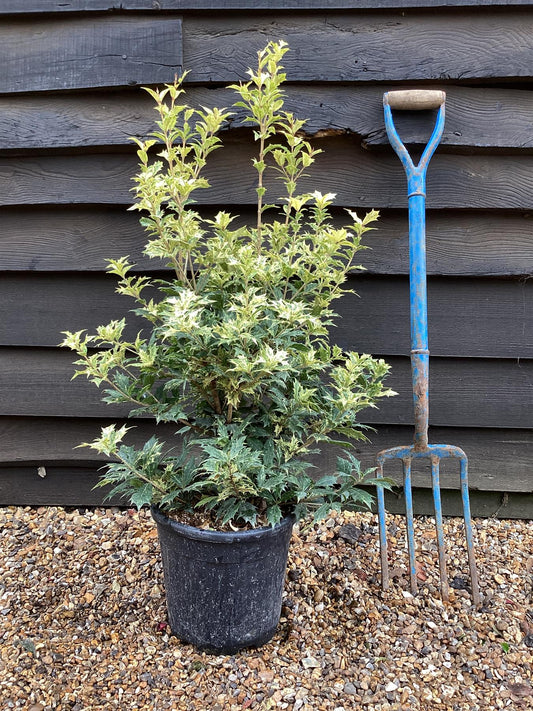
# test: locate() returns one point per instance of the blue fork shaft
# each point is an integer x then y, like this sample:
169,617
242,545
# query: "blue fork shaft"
416,191
417,266
419,310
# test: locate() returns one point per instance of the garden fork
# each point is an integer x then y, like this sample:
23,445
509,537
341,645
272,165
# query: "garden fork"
420,449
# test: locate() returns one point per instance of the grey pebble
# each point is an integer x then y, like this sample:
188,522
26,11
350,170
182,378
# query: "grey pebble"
350,688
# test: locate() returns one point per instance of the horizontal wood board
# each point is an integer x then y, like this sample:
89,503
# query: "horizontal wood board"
61,486
485,118
467,317
66,54
483,504
463,392
467,46
499,460
14,7
79,239
357,177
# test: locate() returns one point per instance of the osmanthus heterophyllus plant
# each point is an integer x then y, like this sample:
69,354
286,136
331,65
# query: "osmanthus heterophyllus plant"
236,350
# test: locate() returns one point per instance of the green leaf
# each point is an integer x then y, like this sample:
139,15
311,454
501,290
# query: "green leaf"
322,511
327,481
142,496
273,515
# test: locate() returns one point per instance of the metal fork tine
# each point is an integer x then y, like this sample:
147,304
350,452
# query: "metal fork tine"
382,532
476,597
410,522
435,475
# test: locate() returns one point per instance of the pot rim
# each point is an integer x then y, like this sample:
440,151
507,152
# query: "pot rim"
219,536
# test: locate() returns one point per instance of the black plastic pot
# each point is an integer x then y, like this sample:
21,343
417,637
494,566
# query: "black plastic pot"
223,589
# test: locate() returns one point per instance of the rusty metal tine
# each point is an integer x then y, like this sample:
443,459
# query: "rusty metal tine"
476,597
382,531
435,476
410,522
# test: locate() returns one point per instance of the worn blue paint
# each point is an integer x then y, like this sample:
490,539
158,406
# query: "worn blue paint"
408,491
416,187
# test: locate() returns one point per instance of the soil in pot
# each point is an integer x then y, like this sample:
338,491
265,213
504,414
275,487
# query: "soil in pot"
223,589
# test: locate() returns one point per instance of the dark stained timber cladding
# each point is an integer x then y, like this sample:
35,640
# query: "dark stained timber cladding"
475,118
63,239
481,374
77,53
497,458
49,6
357,177
472,392
43,440
497,462
55,486
391,47
43,305
80,239
468,317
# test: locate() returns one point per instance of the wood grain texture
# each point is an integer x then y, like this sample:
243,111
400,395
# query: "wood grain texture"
471,392
59,54
475,118
39,382
81,238
434,47
64,239
462,393
54,441
468,317
39,307
74,120
499,460
357,177
14,7
62,486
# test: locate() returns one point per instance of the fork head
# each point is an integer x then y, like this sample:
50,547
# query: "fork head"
433,452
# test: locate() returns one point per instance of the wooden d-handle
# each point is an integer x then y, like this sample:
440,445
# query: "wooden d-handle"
414,99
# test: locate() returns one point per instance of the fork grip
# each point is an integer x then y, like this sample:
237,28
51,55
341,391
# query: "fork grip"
414,99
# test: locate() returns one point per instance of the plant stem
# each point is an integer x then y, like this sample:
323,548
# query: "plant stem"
260,192
216,399
139,475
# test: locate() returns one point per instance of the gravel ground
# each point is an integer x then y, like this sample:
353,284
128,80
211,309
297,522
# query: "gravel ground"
83,622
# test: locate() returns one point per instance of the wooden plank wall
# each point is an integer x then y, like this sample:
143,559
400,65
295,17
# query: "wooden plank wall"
69,99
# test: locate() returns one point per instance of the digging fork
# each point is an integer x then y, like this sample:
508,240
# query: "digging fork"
420,449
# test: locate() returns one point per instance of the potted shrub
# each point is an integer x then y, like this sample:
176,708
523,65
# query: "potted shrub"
236,353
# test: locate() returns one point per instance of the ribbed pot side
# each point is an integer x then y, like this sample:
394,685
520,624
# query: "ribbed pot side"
223,590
